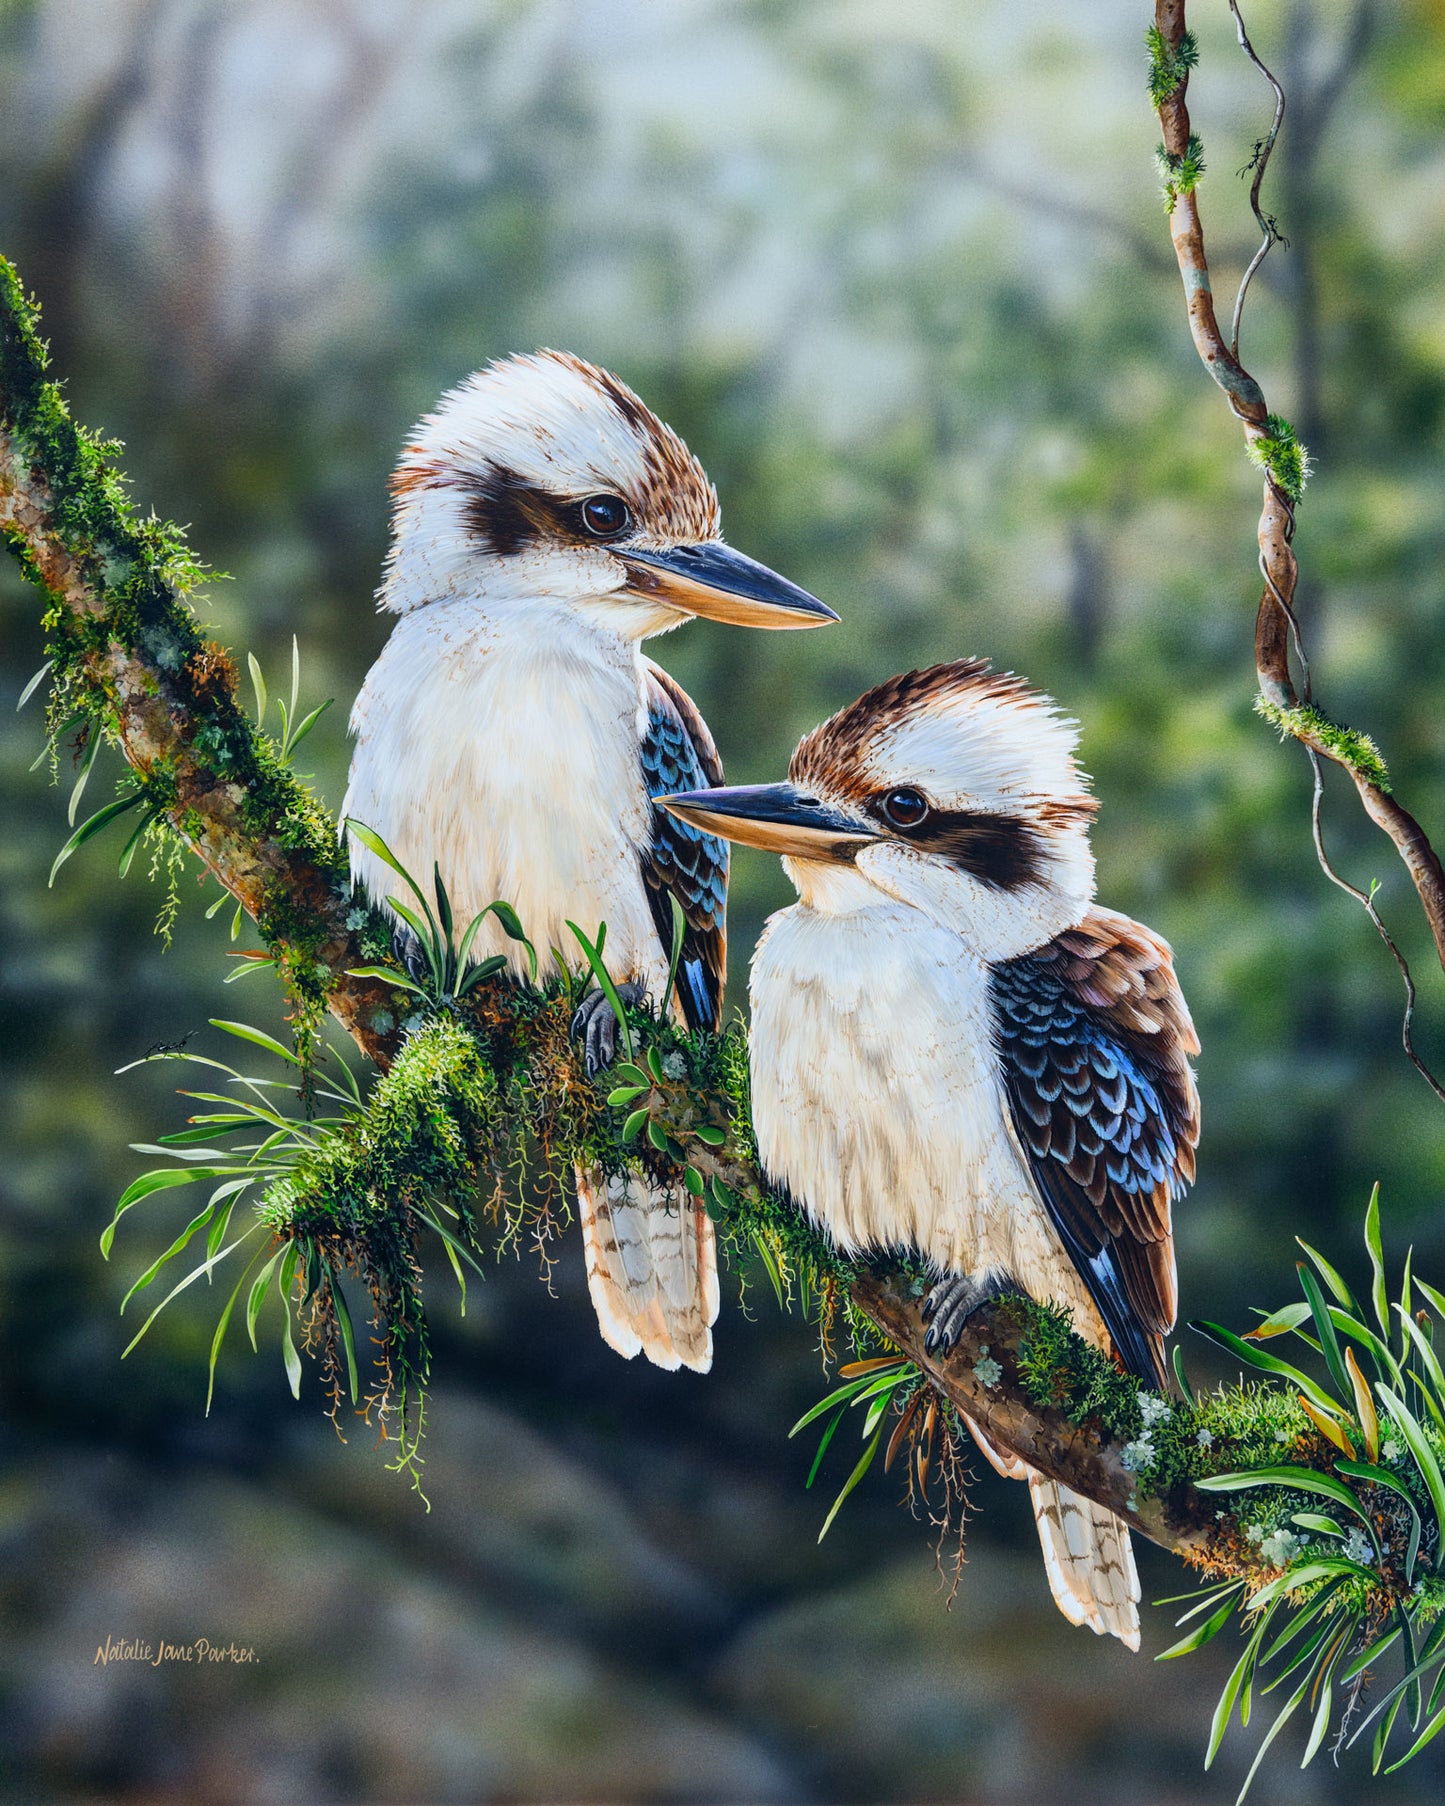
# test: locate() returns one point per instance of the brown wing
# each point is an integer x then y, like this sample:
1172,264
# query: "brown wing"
678,754
1094,1039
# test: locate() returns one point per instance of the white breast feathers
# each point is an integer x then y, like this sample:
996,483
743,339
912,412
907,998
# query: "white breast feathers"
508,754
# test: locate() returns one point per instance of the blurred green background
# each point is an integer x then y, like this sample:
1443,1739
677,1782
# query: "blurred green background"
901,276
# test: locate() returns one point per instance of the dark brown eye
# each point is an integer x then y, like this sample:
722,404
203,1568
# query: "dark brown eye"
604,516
905,808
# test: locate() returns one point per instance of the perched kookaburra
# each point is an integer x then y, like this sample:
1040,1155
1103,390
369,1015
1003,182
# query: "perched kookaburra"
512,734
953,1051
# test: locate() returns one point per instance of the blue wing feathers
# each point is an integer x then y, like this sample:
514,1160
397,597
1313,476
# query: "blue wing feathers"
1108,1120
681,860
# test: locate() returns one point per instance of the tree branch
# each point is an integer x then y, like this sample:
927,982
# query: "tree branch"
1275,451
129,661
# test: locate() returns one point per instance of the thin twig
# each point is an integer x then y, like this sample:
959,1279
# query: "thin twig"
1366,900
1259,163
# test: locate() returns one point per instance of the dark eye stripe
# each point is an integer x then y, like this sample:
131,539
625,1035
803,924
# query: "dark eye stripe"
507,514
1002,851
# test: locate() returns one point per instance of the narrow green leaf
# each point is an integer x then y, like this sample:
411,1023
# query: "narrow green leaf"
389,975
216,1234
1202,1633
1428,1735
1331,1277
679,931
1369,1655
1277,1322
692,1179
163,1179
35,683
1267,1363
257,1297
624,1094
258,684
1419,1446
1321,1722
128,851
1315,1520
1224,1710
710,1134
1329,1342
87,760
825,1439
196,1273
654,1063
770,1266
348,1335
1386,1366
444,904
1379,1298
865,1461
196,1223
1180,1377
244,1032
627,1074
657,1135
248,967
841,1396
220,1334
97,822
593,956
632,1128
306,726
291,1358
478,974
373,843
1428,1359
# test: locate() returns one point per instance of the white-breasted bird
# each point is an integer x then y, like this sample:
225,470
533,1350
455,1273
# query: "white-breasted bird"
953,1051
512,735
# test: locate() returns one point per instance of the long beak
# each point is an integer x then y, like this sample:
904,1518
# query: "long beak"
776,817
715,581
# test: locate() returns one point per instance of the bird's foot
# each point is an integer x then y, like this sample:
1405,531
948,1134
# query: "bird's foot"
409,955
953,1301
595,1024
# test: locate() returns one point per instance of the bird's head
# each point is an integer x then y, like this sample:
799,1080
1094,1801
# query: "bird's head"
952,790
543,478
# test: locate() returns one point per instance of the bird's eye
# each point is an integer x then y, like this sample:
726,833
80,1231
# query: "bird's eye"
605,516
905,808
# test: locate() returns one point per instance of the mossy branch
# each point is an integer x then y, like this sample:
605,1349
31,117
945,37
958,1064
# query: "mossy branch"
1273,445
477,1115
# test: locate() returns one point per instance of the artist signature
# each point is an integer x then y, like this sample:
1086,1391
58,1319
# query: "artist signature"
122,1649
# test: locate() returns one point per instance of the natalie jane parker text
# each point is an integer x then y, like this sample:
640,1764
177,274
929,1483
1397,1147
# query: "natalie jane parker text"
201,1651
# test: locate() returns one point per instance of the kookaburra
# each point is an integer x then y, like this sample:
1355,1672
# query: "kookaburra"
953,1051
512,735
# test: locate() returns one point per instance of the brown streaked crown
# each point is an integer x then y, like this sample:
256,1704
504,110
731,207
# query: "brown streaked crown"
529,439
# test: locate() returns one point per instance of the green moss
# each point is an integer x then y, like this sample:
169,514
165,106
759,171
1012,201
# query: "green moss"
1180,174
1169,68
142,572
1347,744
1276,450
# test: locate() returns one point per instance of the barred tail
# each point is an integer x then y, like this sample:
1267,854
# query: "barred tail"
1089,1560
651,1269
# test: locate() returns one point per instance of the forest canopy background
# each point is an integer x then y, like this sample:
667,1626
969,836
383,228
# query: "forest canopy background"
904,284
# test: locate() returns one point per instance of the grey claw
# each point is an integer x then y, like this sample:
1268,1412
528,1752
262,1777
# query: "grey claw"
595,1026
953,1301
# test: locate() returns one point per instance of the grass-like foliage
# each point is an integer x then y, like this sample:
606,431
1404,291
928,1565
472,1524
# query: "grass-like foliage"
1351,1550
